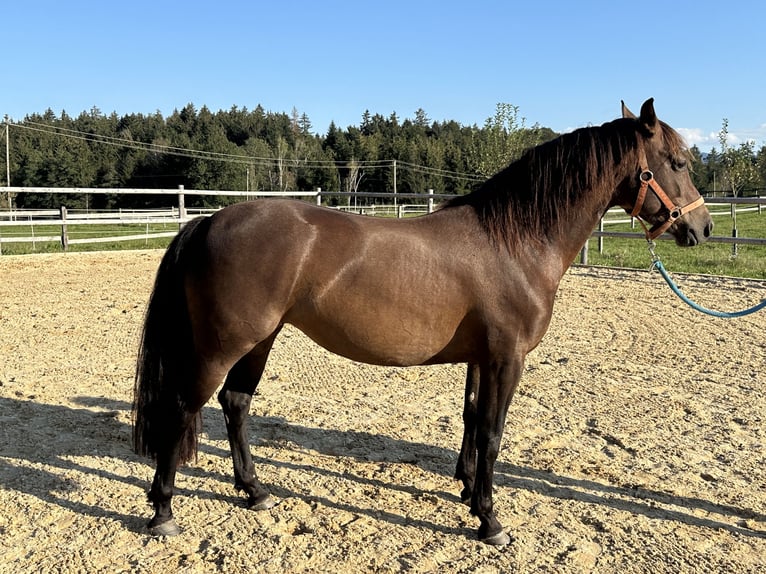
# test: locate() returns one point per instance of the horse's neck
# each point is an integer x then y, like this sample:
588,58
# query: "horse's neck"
578,223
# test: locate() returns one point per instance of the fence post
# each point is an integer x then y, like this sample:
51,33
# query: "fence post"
584,253
319,196
64,237
734,248
601,237
430,201
181,205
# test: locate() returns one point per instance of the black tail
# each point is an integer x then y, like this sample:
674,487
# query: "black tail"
163,356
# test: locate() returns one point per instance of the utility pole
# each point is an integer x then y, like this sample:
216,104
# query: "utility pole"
8,162
394,183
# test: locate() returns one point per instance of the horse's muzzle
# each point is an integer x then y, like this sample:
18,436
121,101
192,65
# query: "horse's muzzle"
690,235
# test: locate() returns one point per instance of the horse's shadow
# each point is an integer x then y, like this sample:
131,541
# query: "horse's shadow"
31,434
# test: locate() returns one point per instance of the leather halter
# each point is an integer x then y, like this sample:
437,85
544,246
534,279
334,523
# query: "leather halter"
674,211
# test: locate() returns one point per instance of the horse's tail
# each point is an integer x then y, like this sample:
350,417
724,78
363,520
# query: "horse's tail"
162,366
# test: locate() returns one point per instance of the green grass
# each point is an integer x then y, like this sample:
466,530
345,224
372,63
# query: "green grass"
75,231
710,258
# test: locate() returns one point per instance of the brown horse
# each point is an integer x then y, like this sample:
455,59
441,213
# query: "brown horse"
473,282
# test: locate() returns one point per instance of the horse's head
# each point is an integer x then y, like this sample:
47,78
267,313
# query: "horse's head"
661,192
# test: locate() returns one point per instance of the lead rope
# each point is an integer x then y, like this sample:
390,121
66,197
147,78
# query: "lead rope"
657,264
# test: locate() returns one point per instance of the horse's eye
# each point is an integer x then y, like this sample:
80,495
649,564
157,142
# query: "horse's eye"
679,164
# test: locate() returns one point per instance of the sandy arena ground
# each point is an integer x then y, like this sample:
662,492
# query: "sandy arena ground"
636,442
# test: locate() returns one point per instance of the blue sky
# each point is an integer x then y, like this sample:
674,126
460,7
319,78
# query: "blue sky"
564,64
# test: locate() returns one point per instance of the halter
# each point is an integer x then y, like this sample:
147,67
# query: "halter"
674,211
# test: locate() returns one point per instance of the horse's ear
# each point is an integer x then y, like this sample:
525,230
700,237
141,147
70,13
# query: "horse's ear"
648,118
626,113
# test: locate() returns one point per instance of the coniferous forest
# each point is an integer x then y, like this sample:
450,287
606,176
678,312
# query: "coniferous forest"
257,150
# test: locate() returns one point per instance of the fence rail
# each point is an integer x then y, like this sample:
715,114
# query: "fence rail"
46,220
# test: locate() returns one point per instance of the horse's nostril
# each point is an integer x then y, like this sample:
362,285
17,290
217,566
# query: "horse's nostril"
708,229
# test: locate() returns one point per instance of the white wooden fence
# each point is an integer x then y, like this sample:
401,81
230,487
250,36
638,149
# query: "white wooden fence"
168,220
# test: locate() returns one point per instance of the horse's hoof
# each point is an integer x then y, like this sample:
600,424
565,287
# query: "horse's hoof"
263,503
167,528
502,538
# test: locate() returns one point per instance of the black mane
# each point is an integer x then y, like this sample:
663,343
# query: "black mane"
525,200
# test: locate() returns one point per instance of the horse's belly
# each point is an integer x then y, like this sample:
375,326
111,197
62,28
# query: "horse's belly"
378,340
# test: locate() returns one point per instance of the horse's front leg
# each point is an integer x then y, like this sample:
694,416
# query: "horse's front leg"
498,382
466,462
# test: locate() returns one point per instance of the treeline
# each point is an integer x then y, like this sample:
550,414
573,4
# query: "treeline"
242,149
739,171
257,150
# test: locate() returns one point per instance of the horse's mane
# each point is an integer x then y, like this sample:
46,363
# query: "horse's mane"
524,201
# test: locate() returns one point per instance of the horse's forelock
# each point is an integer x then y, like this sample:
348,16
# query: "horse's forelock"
674,142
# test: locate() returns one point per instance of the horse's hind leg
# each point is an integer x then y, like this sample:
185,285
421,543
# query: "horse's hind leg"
179,426
466,462
235,398
161,492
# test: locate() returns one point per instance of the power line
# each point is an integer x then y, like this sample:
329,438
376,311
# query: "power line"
440,172
126,143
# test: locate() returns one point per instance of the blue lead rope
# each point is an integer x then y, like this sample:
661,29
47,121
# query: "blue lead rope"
657,264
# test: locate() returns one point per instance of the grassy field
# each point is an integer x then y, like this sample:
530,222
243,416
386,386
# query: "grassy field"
711,258
76,232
